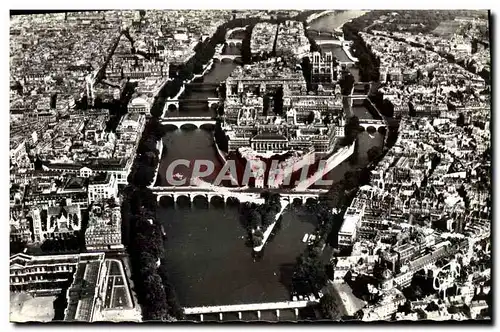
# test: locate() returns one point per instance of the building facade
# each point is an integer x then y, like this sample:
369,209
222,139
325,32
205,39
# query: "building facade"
104,228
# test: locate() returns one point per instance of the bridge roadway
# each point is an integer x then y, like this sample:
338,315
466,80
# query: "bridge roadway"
181,121
367,123
242,194
354,97
172,105
239,308
234,42
226,56
199,100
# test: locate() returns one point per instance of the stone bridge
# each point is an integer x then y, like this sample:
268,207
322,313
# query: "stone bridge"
376,124
232,42
179,122
357,97
222,57
255,307
226,194
329,42
172,105
230,32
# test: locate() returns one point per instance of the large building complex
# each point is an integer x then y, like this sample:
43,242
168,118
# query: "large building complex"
268,108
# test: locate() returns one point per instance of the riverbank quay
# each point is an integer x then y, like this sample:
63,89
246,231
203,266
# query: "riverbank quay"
270,228
159,146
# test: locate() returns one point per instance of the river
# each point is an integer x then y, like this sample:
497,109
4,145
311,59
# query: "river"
206,254
210,263
332,21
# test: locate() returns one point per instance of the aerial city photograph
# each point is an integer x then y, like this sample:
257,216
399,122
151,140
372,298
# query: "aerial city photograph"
273,166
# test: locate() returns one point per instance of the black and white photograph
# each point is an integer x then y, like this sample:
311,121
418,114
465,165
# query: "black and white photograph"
218,166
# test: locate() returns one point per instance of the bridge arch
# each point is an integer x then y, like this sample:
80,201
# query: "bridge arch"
183,199
165,200
217,200
382,130
212,102
232,200
311,200
371,129
297,201
171,126
172,106
200,199
207,126
189,126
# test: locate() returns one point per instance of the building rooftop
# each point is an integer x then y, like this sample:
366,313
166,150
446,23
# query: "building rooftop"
269,137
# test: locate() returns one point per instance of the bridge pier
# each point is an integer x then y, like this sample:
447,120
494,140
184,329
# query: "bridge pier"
220,315
296,313
170,106
258,314
201,317
239,315
278,313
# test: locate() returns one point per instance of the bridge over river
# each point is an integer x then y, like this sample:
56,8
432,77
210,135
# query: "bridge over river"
196,121
240,194
172,105
256,307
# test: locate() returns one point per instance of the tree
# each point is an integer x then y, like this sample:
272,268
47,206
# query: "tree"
346,84
311,268
274,198
327,120
387,108
175,308
411,110
330,271
278,101
155,299
461,119
373,153
351,130
328,307
257,238
307,71
147,264
336,195
419,74
17,247
268,217
310,117
151,245
147,144
142,176
351,179
254,219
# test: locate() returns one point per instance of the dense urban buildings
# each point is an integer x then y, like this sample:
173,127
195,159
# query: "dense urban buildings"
367,134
